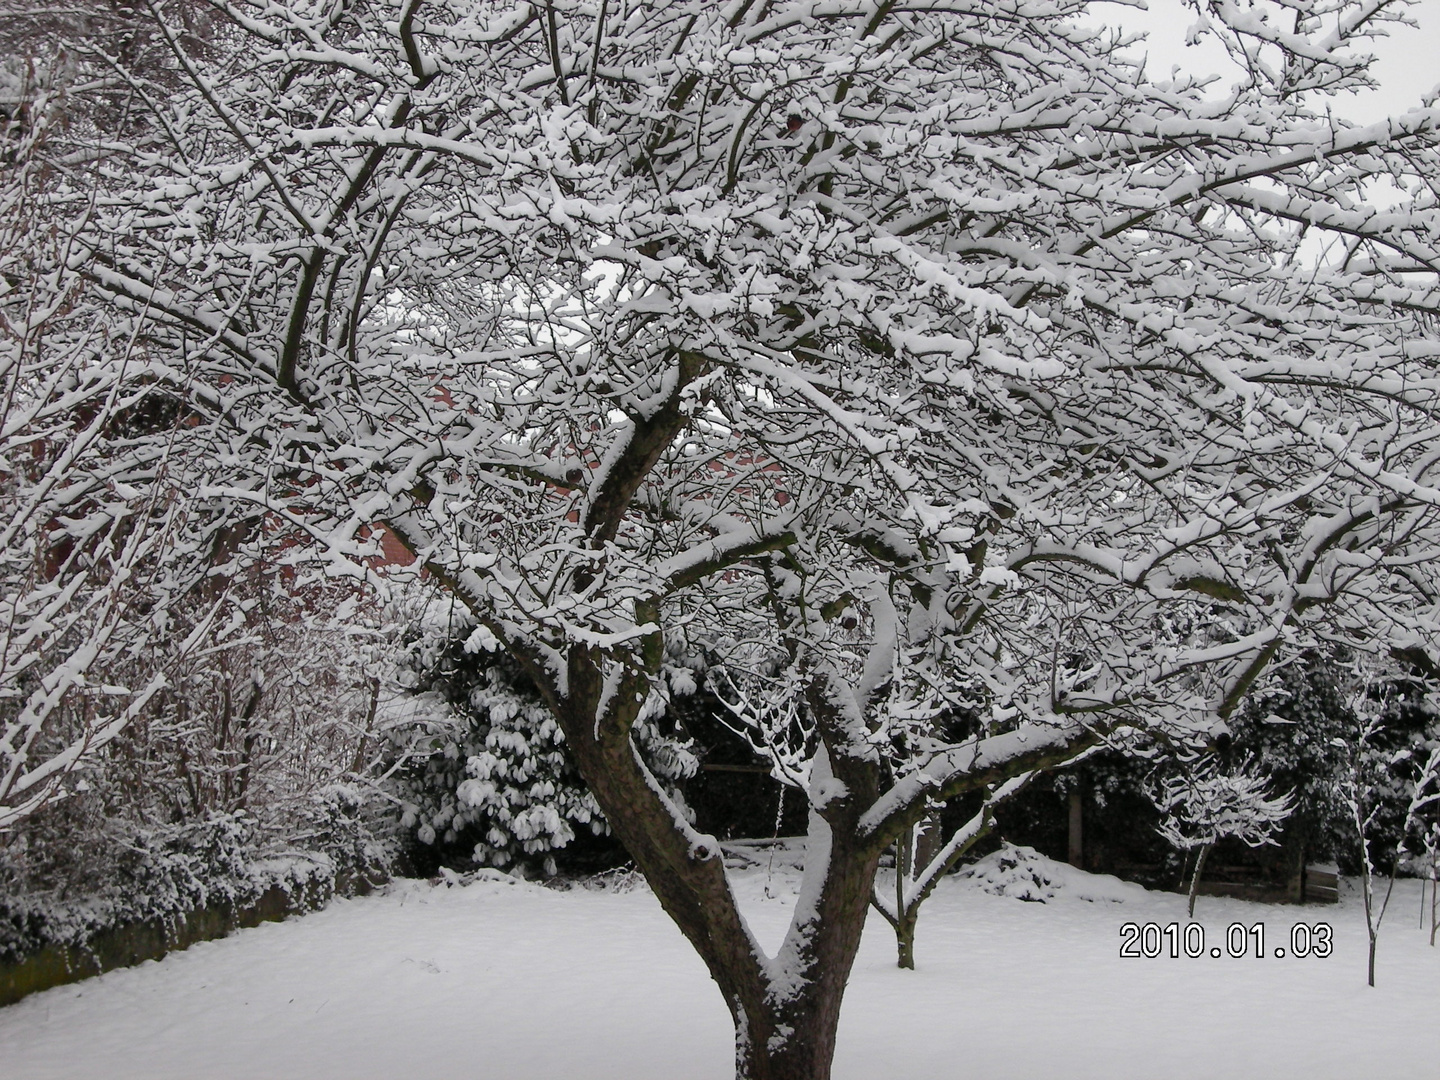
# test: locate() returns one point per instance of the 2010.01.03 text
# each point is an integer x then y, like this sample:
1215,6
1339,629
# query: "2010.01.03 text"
1151,940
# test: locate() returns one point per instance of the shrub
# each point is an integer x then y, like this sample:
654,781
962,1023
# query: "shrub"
488,778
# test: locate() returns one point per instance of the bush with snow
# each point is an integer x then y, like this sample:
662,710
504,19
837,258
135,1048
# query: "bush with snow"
256,746
1022,873
490,776
155,875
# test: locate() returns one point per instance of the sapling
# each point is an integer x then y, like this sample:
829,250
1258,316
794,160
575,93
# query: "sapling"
920,864
1364,810
1433,841
1426,794
1373,773
1204,804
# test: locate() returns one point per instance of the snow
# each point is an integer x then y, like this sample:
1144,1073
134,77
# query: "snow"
1021,873
507,980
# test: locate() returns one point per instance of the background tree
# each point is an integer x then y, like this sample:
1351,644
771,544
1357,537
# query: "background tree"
1205,804
88,562
1390,786
1432,855
1295,726
1367,777
923,858
851,344
1423,831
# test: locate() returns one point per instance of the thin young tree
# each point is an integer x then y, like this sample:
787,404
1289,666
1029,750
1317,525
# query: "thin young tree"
1375,786
1432,853
1362,788
1423,824
855,342
922,859
1205,804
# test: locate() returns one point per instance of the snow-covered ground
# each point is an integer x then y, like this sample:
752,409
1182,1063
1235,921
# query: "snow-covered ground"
511,981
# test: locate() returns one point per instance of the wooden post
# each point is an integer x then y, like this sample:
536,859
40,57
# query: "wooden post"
1077,827
1295,872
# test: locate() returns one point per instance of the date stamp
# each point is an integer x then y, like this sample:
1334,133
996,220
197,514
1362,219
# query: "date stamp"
1150,940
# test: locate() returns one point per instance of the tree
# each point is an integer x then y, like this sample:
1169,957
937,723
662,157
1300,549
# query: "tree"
88,563
1361,789
1432,853
1294,725
490,780
1203,805
144,660
1421,820
1378,787
858,345
922,859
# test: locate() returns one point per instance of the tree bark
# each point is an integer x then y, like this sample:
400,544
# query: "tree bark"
789,1033
787,1009
1295,870
1195,881
1076,850
929,840
906,915
905,937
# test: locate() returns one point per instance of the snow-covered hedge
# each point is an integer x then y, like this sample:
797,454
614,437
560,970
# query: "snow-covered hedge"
159,876
163,874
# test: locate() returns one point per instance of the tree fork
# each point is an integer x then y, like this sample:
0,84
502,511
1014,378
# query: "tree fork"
787,1010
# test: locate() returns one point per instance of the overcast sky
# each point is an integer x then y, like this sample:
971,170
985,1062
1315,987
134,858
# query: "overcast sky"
1407,63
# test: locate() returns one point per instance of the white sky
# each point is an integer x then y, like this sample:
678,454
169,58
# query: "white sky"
1407,62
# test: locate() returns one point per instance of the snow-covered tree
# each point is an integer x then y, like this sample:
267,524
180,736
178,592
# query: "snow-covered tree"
1432,861
487,769
1204,804
1383,779
134,620
88,562
924,855
855,343
1423,823
1367,777
1294,725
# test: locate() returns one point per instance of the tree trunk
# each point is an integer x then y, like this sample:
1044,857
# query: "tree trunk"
787,1009
1076,846
929,841
1295,871
789,1032
788,1043
905,917
905,937
1434,881
1195,881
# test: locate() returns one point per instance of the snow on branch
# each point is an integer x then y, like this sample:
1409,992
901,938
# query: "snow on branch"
994,759
1205,804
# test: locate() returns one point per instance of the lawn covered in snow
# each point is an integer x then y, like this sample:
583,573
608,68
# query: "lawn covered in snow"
514,981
